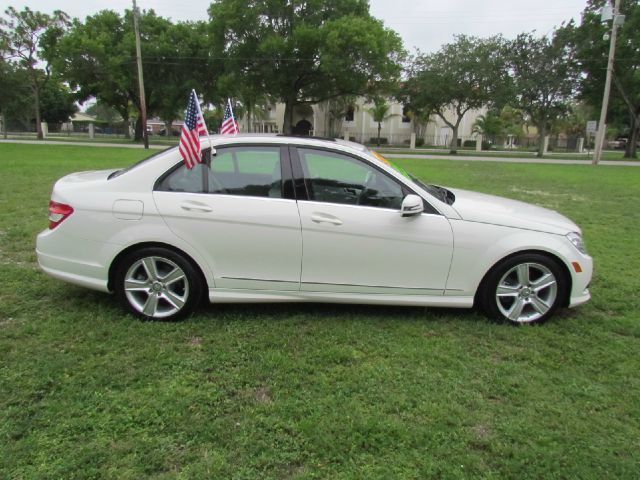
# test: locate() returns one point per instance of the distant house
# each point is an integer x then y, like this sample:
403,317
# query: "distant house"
78,122
156,126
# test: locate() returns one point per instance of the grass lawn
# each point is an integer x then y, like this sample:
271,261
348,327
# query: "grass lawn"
320,391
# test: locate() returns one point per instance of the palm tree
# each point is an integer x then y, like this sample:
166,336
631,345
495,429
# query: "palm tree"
488,125
380,113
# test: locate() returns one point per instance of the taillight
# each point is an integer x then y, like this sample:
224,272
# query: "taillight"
58,212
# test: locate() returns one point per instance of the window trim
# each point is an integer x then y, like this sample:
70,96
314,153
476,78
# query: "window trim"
301,184
286,174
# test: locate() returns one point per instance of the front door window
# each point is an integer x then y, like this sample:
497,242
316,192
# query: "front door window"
335,178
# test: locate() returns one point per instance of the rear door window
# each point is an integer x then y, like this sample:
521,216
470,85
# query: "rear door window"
254,171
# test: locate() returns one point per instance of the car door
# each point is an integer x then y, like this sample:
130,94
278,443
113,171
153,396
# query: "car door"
355,240
240,214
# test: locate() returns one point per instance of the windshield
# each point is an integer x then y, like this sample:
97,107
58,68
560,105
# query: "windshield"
440,193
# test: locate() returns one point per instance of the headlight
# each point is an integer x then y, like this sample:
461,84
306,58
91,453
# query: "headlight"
576,239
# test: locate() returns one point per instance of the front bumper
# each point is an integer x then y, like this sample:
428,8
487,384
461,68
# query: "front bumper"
580,281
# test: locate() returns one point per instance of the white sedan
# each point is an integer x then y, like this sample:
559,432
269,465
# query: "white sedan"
290,219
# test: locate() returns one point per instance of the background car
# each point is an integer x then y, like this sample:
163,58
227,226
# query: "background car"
289,219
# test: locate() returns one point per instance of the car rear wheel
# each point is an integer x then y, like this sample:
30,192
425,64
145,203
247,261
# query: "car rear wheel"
526,288
157,284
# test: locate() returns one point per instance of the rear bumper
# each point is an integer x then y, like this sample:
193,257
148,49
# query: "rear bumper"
72,262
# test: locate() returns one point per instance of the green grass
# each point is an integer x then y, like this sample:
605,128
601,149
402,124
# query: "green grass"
320,391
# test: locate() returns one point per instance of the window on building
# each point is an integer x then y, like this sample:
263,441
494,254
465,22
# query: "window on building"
350,115
405,114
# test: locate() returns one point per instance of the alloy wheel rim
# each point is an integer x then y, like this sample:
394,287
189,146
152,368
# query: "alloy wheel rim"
526,292
156,287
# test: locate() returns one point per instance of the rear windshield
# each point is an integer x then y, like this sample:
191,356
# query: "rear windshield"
122,171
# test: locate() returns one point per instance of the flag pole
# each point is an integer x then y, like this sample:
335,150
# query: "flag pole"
193,92
235,123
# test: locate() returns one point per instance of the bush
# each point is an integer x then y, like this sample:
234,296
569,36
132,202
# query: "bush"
419,142
469,143
374,140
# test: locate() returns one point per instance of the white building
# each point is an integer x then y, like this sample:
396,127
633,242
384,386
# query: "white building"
360,126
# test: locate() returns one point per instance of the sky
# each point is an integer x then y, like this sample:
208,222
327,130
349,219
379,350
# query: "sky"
422,24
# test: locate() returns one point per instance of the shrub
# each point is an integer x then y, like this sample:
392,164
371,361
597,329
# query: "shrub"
374,140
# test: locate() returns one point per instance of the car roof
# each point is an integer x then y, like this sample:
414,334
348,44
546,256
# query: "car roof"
219,140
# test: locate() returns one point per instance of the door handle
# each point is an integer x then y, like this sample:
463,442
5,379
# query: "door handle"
195,206
325,218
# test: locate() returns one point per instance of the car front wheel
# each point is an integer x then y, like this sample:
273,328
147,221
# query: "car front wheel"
157,284
526,288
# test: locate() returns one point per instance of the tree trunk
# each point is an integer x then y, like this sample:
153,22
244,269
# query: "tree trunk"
634,142
127,134
167,127
454,141
4,125
287,126
543,133
36,96
138,130
630,148
249,126
379,128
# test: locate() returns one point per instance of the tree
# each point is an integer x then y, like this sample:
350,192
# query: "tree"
305,52
464,75
544,74
23,34
15,94
97,57
337,110
91,56
380,113
592,52
488,125
57,102
512,120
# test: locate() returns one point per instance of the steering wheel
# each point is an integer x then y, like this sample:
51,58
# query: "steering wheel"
368,181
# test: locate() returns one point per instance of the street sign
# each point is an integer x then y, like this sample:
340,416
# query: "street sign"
592,126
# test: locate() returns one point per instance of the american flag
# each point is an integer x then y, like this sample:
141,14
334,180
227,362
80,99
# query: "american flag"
192,128
229,124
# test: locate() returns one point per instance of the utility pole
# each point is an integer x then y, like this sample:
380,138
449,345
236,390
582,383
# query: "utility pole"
143,103
617,21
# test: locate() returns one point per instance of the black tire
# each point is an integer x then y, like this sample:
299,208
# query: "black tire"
538,302
160,284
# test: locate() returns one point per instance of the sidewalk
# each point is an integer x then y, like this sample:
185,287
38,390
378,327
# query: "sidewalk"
620,163
84,144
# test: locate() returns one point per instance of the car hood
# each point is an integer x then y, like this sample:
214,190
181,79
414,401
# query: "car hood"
480,207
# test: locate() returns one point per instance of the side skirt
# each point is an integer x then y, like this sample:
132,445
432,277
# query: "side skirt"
225,295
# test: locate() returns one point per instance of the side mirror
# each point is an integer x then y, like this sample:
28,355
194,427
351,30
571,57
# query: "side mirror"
411,205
